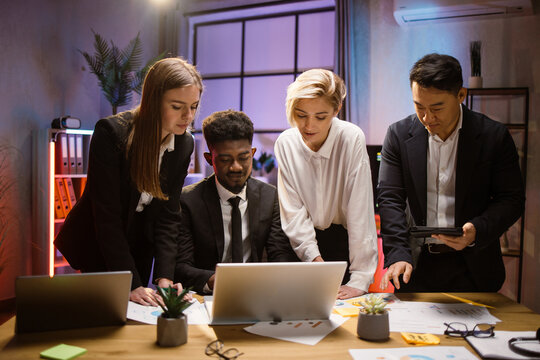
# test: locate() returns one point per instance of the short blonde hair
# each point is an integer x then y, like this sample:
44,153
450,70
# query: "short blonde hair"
312,84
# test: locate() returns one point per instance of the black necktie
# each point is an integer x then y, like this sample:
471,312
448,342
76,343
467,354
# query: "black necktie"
236,236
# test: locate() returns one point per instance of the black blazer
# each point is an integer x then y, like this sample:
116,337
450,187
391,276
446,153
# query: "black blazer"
489,190
201,243
100,232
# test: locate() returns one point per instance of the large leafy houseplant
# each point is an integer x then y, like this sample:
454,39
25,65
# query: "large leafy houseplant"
118,70
7,185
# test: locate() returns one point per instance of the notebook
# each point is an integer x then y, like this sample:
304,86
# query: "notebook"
250,292
71,301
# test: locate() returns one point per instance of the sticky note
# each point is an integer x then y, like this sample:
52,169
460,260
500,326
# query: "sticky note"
420,339
62,352
347,311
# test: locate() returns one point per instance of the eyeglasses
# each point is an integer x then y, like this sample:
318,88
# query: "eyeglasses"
457,329
216,348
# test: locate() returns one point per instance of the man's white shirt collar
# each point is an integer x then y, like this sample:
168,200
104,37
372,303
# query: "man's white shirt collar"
225,194
456,130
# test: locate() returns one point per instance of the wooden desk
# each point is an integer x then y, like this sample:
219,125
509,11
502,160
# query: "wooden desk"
138,341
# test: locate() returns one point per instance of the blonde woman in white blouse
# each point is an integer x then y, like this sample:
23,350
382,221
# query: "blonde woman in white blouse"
324,181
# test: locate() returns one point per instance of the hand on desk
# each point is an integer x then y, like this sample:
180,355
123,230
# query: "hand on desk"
143,296
459,242
211,281
318,259
346,292
393,272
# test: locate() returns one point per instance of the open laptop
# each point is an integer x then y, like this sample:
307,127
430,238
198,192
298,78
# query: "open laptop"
71,301
251,292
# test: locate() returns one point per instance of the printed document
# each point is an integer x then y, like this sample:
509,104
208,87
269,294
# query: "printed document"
424,352
427,317
308,332
196,313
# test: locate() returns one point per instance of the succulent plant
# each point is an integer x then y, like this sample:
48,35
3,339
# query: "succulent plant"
173,304
373,304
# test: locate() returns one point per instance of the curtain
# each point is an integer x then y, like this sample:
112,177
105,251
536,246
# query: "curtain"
352,59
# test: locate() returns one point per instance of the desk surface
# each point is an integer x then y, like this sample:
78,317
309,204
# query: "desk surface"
135,341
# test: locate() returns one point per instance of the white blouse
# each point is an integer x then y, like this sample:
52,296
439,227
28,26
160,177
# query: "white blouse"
330,186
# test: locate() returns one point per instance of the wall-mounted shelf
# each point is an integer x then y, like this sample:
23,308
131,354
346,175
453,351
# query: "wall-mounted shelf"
60,155
509,106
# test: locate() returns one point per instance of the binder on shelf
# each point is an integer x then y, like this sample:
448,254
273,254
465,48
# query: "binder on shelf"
63,195
79,153
58,208
82,185
86,152
71,154
61,150
70,192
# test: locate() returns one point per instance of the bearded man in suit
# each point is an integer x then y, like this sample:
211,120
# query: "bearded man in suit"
229,216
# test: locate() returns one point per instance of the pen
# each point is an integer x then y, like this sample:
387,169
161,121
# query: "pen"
467,301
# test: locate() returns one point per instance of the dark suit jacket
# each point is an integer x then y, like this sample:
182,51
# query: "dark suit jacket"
102,232
489,190
201,243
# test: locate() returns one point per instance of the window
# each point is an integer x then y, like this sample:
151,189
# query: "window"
248,58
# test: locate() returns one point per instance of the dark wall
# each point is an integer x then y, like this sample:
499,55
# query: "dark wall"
42,77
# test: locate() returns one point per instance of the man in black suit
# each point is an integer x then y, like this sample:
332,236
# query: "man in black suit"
216,227
446,166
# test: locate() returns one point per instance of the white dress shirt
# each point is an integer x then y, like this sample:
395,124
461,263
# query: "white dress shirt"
441,179
146,198
329,186
226,208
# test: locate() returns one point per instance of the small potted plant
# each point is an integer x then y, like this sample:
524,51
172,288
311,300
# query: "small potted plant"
475,81
373,318
264,164
172,326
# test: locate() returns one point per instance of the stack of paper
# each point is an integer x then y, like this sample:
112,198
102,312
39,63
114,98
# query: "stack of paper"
427,317
350,307
196,313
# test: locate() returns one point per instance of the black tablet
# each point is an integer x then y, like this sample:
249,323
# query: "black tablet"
427,231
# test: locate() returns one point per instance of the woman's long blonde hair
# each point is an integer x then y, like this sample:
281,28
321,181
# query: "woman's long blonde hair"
144,140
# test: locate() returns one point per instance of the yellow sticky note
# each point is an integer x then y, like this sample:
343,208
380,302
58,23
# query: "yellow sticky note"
347,311
354,302
62,352
420,339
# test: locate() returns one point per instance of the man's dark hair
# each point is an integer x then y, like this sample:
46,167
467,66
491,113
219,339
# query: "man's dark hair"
227,125
441,72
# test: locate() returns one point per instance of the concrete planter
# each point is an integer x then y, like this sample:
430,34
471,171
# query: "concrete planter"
475,82
373,327
172,331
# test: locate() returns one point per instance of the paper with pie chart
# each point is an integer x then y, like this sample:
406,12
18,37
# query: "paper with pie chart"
412,353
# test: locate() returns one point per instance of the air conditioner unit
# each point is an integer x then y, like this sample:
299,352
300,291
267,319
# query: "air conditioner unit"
407,12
